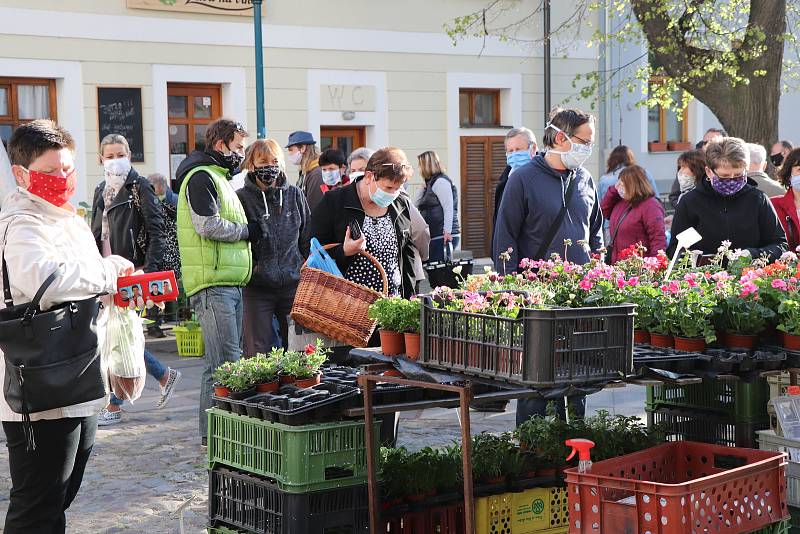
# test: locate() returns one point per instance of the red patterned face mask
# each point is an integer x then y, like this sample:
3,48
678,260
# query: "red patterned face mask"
57,190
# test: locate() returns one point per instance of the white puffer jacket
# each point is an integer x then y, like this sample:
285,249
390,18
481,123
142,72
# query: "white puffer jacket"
37,238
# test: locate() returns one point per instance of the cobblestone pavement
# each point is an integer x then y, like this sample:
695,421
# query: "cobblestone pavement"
148,474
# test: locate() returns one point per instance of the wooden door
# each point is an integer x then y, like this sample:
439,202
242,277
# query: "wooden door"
345,139
191,108
483,159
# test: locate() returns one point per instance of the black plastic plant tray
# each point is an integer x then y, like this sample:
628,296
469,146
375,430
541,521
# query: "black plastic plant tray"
382,393
739,361
295,406
667,359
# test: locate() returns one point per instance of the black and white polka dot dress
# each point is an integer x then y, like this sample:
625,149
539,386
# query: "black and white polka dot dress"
381,243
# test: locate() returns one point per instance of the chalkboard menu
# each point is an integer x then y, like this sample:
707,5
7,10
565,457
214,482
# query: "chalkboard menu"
119,110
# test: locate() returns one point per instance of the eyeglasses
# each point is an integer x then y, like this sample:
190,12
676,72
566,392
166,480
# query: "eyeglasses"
582,140
396,168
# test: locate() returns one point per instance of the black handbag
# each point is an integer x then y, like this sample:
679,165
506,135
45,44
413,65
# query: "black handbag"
52,358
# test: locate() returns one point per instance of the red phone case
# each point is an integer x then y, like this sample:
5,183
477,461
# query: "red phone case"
157,287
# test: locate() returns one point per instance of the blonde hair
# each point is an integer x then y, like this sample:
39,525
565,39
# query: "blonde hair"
429,164
263,148
114,139
309,159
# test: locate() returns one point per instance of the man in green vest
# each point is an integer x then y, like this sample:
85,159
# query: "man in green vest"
214,241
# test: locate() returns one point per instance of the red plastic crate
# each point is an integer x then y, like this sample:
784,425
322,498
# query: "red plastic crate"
442,519
680,487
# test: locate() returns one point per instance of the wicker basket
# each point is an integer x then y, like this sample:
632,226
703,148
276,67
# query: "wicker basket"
335,307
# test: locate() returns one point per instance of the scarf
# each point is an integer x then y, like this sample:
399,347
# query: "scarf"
114,184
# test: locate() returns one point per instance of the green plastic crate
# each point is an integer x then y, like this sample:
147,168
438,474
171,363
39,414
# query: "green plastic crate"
299,458
223,530
744,402
781,527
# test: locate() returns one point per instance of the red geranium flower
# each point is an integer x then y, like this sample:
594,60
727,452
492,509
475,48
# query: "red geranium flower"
310,348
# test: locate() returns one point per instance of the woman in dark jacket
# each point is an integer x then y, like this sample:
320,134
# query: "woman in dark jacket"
726,206
787,205
634,213
383,214
127,221
438,203
282,212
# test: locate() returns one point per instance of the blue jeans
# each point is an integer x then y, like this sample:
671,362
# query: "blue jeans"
155,369
219,311
538,406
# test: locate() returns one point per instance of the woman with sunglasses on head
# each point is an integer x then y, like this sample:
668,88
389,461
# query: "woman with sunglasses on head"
726,206
282,213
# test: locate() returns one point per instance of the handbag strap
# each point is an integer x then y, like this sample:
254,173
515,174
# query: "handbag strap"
619,224
551,232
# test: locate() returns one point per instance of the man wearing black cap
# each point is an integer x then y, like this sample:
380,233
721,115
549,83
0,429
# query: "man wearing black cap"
303,152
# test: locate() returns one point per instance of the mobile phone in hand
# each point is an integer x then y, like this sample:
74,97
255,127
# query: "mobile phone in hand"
355,230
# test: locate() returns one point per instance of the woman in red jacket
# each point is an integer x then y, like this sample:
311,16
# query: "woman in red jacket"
635,215
787,206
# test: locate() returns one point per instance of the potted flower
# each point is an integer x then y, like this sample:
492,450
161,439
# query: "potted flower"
689,313
286,360
221,376
388,312
488,454
305,366
789,316
411,320
742,318
240,381
646,298
265,372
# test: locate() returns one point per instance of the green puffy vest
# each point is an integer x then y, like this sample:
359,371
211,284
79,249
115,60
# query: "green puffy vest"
206,263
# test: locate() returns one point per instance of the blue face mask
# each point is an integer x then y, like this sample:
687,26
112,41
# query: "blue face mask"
331,178
518,158
796,182
382,198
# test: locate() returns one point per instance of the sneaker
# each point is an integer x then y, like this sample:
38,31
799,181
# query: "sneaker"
166,391
105,418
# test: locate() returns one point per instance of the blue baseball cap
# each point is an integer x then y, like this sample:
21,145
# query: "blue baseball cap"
300,138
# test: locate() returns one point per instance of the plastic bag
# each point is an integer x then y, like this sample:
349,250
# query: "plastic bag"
124,348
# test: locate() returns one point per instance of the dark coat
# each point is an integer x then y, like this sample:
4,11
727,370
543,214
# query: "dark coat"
128,224
787,215
746,219
498,193
283,246
340,206
432,210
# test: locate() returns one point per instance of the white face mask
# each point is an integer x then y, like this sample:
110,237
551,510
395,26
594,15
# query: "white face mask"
620,190
117,166
685,181
796,182
295,157
577,154
355,175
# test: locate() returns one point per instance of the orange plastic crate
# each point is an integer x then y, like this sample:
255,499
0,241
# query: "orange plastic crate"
680,487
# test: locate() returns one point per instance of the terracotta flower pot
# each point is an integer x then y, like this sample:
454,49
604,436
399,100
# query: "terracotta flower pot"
393,372
268,387
308,382
660,340
412,345
739,341
656,146
392,343
640,336
791,341
286,379
690,344
546,472
221,391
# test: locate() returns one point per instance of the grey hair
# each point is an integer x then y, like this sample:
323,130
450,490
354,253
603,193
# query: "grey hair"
157,177
566,120
524,132
730,150
360,153
114,139
758,154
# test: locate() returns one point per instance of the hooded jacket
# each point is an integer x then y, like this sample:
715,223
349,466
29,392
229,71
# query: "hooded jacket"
127,222
643,223
37,238
339,207
746,219
283,214
533,197
788,217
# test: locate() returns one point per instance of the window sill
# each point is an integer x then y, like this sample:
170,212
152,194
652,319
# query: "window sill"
484,126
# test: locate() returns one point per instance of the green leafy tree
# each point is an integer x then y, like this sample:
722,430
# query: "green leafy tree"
728,54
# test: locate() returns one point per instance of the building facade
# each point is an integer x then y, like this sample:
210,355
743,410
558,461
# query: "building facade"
363,74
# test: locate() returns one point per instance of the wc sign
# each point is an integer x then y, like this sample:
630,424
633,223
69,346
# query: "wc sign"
347,98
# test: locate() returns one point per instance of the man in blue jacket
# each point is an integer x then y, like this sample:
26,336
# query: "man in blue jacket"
548,201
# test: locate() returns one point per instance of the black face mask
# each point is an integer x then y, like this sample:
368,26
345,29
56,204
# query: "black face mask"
266,176
776,159
229,161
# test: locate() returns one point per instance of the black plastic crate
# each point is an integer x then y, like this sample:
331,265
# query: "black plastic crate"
553,346
256,505
295,406
440,273
706,427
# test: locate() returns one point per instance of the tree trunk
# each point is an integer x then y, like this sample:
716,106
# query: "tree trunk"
749,111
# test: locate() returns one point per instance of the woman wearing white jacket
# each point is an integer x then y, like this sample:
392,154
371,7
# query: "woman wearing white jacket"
40,231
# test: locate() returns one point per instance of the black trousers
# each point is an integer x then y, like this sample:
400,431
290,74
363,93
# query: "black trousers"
259,307
44,482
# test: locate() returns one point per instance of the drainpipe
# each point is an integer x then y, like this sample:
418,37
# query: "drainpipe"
260,119
547,61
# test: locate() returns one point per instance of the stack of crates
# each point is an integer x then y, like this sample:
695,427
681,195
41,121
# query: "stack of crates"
715,411
767,440
532,511
270,478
